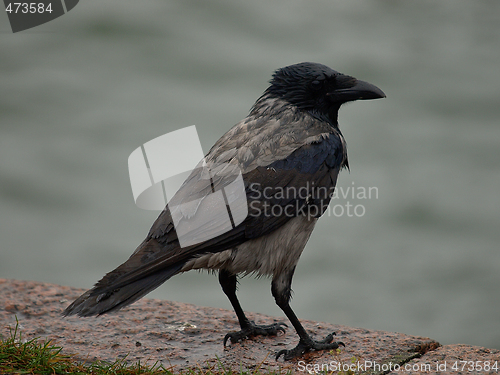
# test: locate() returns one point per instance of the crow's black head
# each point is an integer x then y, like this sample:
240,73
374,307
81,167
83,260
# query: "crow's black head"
318,89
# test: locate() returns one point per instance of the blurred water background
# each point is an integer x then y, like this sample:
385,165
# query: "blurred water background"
80,93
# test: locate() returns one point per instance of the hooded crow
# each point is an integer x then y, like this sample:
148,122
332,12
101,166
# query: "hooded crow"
289,151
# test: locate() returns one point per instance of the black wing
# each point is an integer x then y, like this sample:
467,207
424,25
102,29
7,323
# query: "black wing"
301,183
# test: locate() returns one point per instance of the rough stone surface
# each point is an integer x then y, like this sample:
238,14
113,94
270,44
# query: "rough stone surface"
183,336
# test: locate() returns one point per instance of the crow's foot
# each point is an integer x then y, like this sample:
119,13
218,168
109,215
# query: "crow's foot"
306,345
254,330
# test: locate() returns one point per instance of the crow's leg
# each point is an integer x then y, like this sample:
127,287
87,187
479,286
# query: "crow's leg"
281,290
248,328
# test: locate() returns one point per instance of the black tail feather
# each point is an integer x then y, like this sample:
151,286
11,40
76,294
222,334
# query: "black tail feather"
91,303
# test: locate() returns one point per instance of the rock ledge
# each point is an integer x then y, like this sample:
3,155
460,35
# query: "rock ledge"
182,336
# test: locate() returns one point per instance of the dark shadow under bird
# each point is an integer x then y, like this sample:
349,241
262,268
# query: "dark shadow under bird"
289,151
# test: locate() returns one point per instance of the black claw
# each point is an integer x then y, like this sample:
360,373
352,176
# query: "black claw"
227,337
280,353
328,339
303,347
255,330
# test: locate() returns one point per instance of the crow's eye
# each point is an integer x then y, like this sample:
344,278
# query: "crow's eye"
316,85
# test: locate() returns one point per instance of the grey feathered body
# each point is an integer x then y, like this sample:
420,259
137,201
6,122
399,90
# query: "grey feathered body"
273,254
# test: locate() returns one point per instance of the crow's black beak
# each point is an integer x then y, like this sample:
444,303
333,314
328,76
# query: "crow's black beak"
360,91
